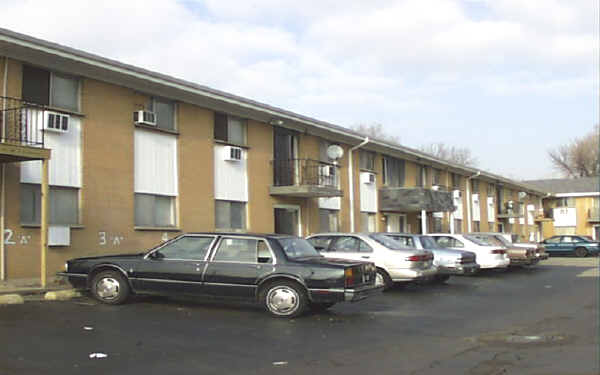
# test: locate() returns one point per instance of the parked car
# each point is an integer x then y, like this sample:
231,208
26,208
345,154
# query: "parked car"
394,262
284,273
539,249
487,256
448,261
519,256
580,246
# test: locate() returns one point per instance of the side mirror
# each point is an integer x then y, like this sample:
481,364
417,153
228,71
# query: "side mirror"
157,255
319,248
264,259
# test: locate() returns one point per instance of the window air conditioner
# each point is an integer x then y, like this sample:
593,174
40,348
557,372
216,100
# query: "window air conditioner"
56,122
142,117
233,153
368,178
435,187
326,170
457,194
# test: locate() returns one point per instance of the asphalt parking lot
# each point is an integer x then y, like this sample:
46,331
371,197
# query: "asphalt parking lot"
540,320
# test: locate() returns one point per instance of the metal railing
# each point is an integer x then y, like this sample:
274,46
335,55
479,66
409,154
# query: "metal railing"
513,209
290,172
594,214
21,122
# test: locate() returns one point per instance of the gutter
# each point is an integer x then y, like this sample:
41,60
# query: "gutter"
351,180
3,176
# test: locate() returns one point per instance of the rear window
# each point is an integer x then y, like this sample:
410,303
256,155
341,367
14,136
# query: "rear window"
429,243
480,240
295,247
387,241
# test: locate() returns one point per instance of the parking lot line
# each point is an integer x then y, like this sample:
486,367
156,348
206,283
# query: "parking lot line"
592,272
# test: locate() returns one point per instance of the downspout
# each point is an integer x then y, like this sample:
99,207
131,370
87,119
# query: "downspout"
469,223
3,176
351,180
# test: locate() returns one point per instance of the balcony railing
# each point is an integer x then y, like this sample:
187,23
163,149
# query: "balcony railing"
510,210
305,178
21,123
594,214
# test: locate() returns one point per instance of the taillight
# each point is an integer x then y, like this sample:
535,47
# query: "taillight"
498,251
420,258
349,277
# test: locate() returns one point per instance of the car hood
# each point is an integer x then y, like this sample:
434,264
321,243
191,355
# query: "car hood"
109,257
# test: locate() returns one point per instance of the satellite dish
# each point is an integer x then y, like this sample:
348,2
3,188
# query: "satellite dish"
335,152
522,194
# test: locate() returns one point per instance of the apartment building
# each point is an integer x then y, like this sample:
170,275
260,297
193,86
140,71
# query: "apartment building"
572,206
131,157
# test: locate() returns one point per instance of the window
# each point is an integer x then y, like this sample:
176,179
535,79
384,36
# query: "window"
455,181
188,247
328,220
237,250
63,203
230,129
321,243
436,176
490,190
230,215
165,112
56,90
553,240
437,224
448,242
565,202
474,186
457,226
367,160
491,226
367,222
422,176
351,245
154,210
407,242
393,172
476,226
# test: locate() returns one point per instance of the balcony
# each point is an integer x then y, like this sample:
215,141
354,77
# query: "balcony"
417,199
305,178
510,210
544,215
593,215
21,131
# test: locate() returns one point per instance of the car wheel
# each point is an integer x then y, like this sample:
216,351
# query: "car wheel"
440,279
321,306
581,252
110,287
284,299
382,278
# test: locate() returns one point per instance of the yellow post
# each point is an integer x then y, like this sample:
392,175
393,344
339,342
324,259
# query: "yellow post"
44,221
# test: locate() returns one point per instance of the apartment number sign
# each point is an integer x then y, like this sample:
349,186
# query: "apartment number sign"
12,238
107,239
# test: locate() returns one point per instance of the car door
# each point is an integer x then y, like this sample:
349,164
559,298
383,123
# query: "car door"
552,244
175,267
236,265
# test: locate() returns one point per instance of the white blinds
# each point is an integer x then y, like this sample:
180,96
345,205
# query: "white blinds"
155,163
65,161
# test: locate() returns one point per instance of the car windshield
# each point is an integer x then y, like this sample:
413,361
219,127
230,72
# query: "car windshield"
387,241
503,240
295,247
429,243
480,240
587,239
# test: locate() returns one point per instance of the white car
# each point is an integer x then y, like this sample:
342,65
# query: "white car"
487,256
394,262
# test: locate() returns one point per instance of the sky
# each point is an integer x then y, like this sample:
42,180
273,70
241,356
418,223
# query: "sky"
508,79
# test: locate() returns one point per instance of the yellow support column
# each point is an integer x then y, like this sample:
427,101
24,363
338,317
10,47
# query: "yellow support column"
44,221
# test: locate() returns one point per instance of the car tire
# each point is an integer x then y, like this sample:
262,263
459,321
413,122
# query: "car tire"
440,279
321,306
382,278
284,299
581,252
110,287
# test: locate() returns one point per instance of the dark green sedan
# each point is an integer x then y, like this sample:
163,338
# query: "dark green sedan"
580,246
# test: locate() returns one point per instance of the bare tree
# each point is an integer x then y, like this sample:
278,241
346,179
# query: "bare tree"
375,130
579,157
453,154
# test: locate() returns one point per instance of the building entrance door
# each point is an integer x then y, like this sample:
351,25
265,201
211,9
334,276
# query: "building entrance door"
287,220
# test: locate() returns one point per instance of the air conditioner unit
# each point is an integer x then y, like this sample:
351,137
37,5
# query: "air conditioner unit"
510,205
142,117
56,122
457,194
522,195
435,187
368,178
327,170
232,153
59,235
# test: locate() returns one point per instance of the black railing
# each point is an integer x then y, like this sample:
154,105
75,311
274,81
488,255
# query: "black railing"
21,122
511,209
290,172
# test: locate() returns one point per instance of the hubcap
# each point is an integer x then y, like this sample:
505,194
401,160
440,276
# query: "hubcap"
379,279
108,288
282,300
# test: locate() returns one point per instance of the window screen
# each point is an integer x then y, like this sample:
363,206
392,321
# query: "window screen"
165,113
65,92
63,205
230,129
36,85
367,160
30,203
393,171
367,222
328,220
154,210
230,215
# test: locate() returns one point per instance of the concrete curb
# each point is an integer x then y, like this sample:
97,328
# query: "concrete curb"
62,295
11,299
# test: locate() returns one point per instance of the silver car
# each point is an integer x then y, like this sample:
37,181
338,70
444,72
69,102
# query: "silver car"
448,261
394,262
